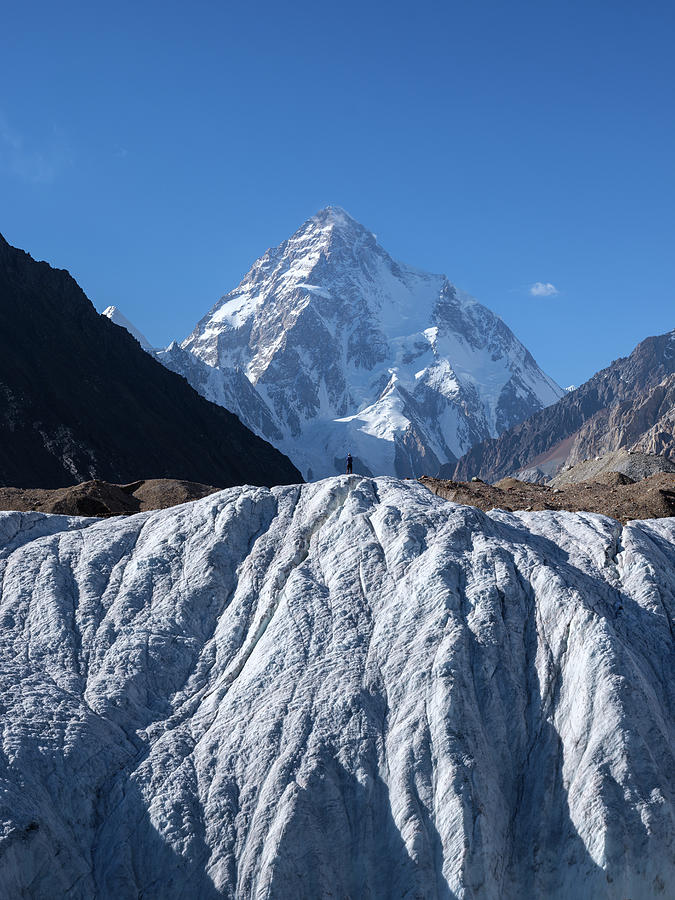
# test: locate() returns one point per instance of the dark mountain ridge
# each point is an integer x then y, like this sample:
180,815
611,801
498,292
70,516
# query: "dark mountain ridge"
80,399
620,406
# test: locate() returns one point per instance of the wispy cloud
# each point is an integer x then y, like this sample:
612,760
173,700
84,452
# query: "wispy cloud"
543,289
29,162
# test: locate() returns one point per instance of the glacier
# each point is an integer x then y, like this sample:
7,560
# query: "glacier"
342,348
351,688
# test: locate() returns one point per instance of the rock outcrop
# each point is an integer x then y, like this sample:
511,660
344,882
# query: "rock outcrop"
634,464
610,493
99,498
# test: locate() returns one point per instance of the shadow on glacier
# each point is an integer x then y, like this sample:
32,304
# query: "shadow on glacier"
341,840
547,856
131,858
546,846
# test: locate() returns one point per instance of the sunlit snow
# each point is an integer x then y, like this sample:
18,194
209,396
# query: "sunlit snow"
319,324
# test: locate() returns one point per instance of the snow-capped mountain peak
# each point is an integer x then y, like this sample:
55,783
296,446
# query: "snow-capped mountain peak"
332,226
333,219
319,325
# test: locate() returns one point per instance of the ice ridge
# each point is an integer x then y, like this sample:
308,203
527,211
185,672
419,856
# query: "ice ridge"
350,688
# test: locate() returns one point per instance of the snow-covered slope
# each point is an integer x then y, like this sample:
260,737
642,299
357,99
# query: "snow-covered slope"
114,314
351,688
350,350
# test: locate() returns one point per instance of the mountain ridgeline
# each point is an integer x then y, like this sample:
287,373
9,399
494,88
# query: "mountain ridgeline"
81,399
630,404
329,345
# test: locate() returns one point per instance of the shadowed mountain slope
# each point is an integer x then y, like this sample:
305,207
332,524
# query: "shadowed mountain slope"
80,399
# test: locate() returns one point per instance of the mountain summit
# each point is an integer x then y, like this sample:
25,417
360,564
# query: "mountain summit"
347,349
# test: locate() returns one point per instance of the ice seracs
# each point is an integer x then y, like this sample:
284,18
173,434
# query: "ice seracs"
350,688
347,348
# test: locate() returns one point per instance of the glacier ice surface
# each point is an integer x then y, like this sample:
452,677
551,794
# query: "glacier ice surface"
345,689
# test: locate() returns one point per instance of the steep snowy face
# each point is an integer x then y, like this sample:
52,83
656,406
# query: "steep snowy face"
351,350
351,688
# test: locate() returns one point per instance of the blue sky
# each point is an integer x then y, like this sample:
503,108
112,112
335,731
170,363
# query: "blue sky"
155,150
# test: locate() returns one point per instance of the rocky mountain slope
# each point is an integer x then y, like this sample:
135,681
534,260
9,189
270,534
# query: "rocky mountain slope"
630,404
343,348
634,464
611,494
79,399
352,688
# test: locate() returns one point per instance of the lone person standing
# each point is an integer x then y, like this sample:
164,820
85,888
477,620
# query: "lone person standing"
349,464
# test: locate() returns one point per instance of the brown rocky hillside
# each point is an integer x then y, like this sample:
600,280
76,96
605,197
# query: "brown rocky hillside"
611,494
100,498
630,404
